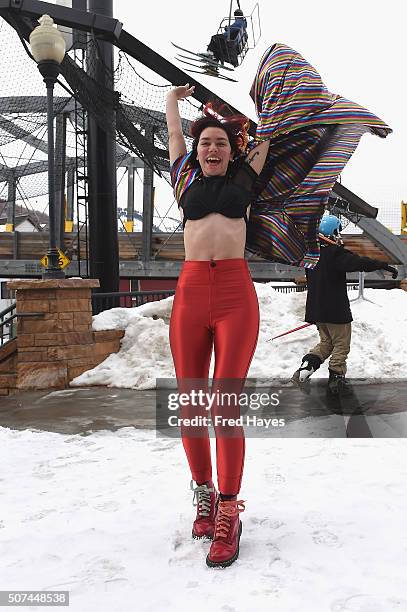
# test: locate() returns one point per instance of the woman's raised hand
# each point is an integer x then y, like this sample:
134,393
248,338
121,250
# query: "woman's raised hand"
182,91
176,140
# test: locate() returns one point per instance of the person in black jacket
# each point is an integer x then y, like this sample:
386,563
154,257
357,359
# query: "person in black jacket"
328,304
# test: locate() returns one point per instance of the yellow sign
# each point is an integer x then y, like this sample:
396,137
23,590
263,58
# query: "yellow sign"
63,260
404,217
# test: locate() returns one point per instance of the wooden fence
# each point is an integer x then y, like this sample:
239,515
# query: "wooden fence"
33,245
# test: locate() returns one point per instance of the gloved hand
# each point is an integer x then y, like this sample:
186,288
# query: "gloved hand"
394,272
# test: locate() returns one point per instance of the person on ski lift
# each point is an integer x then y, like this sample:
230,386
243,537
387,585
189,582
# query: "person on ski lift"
228,45
238,31
328,305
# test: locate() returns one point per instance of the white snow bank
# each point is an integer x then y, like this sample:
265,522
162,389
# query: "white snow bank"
120,318
108,517
379,341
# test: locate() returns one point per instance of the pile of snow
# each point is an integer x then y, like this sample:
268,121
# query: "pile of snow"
379,347
108,518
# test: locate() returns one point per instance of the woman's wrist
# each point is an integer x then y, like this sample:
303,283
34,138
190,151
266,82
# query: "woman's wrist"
171,95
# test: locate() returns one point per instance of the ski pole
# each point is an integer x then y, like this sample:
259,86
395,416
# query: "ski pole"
325,239
328,240
291,331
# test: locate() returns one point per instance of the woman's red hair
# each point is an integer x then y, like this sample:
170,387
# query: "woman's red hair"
235,127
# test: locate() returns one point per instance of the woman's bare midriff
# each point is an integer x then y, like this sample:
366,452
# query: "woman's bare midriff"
214,237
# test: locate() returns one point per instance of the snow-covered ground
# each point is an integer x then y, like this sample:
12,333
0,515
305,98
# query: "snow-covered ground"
108,517
379,339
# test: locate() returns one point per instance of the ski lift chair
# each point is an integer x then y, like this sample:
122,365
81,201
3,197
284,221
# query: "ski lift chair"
237,31
230,44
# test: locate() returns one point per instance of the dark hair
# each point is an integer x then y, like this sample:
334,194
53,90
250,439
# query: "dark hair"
235,127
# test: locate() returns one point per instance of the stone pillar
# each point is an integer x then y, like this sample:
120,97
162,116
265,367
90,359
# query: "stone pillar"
56,342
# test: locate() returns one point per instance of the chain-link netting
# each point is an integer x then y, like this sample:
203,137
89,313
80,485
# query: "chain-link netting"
138,103
143,101
23,126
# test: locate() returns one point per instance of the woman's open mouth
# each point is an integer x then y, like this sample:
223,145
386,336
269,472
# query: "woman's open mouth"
213,162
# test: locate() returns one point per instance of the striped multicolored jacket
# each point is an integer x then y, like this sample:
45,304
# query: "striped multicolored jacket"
182,175
312,134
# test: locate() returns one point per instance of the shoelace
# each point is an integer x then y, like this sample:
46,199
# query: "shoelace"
202,498
226,510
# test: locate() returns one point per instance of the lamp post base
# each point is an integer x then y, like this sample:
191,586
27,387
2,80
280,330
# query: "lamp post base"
52,274
53,270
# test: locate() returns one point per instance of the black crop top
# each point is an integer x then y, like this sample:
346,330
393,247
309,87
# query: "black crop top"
229,195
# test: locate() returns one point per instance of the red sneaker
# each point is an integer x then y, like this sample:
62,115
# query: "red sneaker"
228,528
205,499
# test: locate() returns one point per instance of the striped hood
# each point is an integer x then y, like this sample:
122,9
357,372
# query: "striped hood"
289,95
312,134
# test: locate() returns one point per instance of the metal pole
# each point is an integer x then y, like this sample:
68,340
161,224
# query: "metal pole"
361,289
60,169
148,205
79,37
103,230
69,200
361,284
130,196
60,152
52,269
230,18
11,205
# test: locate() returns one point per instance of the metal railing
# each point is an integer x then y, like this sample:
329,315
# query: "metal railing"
126,299
289,289
8,324
132,299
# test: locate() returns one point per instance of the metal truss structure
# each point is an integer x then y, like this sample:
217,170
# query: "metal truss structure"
22,16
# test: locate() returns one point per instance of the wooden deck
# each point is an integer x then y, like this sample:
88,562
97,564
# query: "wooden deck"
166,247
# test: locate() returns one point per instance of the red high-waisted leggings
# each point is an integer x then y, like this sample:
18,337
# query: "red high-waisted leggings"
215,306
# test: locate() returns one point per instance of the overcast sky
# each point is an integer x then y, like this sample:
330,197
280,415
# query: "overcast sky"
357,46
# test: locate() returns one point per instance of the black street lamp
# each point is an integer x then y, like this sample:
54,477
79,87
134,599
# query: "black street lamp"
48,49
